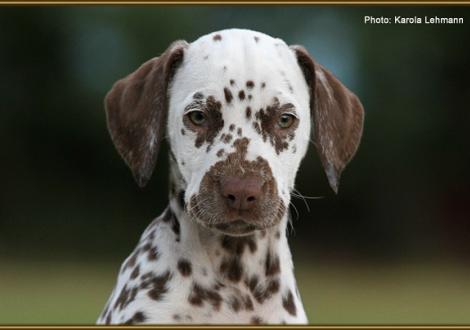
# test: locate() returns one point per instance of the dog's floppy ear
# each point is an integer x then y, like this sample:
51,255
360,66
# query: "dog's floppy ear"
136,111
337,116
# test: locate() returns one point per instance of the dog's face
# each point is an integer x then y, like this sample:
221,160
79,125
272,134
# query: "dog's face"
238,107
238,125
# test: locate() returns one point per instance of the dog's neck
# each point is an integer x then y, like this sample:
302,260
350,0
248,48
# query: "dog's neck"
260,261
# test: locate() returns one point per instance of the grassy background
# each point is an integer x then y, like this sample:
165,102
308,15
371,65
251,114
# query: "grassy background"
75,292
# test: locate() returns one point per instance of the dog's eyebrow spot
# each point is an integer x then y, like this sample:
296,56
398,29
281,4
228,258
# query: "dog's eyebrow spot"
217,37
228,95
250,84
266,125
241,95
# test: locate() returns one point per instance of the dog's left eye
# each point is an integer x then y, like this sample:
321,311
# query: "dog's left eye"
198,118
286,120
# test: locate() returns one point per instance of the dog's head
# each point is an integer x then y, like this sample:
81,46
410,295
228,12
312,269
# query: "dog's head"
238,107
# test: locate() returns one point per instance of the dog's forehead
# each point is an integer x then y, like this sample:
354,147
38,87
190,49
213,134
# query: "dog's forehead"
240,60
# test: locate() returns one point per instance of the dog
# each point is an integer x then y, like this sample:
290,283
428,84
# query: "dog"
237,107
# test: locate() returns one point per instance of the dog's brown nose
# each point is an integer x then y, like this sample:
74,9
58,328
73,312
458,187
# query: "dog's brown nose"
241,193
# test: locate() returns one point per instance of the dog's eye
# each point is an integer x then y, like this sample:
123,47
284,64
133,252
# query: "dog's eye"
286,120
198,118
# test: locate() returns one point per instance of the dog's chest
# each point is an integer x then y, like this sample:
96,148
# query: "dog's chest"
169,280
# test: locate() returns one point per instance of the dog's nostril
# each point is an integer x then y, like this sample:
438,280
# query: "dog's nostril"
251,199
231,197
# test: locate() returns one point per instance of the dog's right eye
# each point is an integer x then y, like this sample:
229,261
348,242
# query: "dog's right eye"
198,118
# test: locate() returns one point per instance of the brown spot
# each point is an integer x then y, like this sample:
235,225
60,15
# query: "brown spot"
232,269
220,153
263,85
157,285
228,95
241,95
200,294
257,127
289,304
176,317
131,260
146,247
256,39
265,292
198,96
217,37
256,320
236,245
125,297
138,317
214,123
206,57
272,265
183,131
232,82
248,112
250,84
235,304
231,127
239,131
250,97
135,272
228,138
252,283
184,266
248,303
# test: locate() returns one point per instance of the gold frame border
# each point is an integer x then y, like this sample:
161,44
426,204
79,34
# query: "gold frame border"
441,3
242,2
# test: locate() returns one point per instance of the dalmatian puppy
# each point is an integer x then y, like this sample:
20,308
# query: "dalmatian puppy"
238,108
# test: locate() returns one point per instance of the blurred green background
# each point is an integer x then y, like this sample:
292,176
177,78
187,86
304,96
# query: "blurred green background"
392,248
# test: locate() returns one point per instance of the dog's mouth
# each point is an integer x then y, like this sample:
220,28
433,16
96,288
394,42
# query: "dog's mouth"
238,227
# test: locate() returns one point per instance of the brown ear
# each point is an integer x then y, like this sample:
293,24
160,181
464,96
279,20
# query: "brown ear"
136,111
337,116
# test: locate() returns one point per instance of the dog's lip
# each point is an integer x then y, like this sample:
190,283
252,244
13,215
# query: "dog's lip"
236,227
